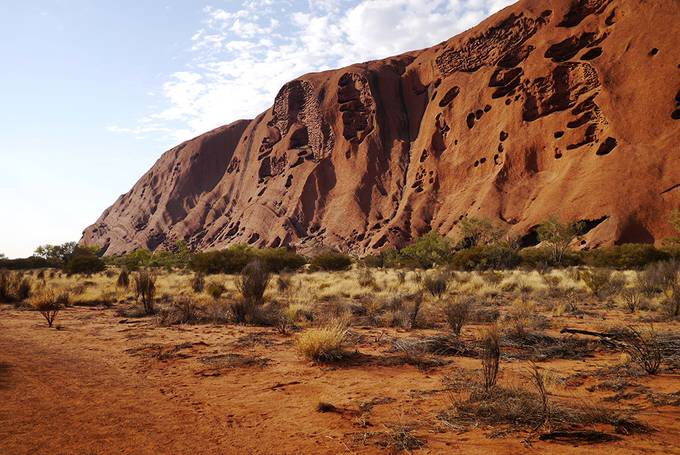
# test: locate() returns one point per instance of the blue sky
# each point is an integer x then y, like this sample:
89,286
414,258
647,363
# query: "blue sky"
93,92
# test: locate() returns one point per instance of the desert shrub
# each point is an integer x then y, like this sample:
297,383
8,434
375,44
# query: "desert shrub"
14,286
486,257
145,290
644,348
436,284
602,282
330,261
478,231
84,260
198,282
323,343
284,283
457,313
182,311
671,301
541,258
45,301
430,250
491,357
230,261
6,286
278,259
522,319
365,277
123,280
23,288
626,256
557,236
253,282
401,277
415,310
215,289
659,277
631,299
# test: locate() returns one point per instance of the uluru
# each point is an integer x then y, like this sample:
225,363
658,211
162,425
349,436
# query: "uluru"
565,108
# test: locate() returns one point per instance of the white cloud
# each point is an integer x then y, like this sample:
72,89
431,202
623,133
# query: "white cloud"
242,57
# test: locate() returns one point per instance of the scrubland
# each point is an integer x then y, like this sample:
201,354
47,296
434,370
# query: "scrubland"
357,361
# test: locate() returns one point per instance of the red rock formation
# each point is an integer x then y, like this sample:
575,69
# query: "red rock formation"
549,107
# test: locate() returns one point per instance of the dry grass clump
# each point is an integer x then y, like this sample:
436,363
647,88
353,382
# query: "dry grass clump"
323,343
365,277
631,298
457,313
491,357
215,289
522,319
603,283
14,287
48,303
253,282
400,438
145,290
198,282
123,280
644,348
436,284
182,311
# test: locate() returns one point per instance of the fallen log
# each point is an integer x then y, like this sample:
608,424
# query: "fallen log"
588,332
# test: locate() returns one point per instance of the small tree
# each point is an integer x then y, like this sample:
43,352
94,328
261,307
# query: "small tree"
145,289
557,236
428,251
479,231
47,303
84,260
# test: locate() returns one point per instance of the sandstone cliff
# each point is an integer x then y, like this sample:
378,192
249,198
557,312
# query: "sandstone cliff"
548,107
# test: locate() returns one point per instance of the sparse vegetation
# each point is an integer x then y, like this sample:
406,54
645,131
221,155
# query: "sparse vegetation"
491,358
323,343
457,313
46,302
557,236
330,261
644,348
145,290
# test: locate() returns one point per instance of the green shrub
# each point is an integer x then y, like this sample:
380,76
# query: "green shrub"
214,289
540,258
428,251
626,256
279,259
331,261
231,261
602,282
84,260
486,257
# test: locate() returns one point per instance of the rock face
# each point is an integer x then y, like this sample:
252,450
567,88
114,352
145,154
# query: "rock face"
565,107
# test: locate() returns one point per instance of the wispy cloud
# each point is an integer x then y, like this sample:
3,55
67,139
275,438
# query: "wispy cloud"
242,56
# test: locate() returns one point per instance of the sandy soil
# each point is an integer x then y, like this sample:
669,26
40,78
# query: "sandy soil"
100,386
